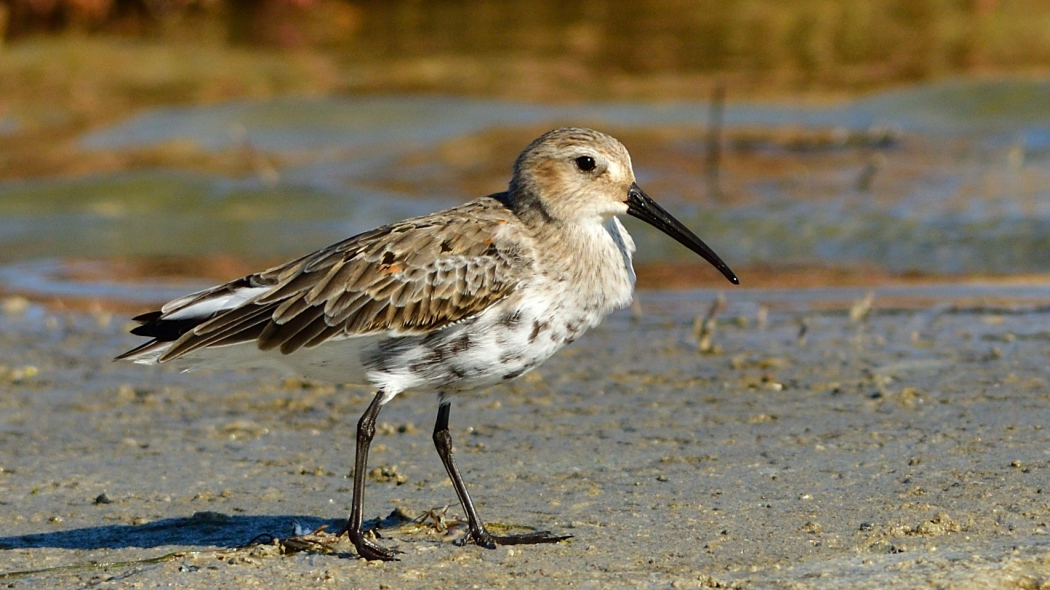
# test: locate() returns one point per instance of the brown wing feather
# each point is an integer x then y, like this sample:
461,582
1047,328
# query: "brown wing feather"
412,276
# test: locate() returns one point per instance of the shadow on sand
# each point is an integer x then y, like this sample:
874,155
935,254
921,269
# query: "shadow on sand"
209,529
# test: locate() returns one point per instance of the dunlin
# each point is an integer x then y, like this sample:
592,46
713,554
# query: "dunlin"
453,301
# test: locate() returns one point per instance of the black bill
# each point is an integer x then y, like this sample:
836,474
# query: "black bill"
641,206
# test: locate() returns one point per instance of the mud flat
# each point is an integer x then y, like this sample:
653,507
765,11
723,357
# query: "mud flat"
822,440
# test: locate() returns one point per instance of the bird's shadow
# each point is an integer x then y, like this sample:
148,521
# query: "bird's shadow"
203,529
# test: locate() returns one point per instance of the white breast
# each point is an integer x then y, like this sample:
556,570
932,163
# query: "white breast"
548,312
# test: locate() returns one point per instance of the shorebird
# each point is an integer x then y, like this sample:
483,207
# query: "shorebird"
452,301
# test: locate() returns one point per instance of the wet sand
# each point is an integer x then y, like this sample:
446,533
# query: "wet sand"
904,446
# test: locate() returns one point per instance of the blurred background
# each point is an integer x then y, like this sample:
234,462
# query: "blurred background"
151,145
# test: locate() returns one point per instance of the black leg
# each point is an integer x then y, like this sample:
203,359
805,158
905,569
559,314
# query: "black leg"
366,430
478,533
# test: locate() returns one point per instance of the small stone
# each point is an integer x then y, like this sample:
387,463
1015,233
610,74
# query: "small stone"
386,473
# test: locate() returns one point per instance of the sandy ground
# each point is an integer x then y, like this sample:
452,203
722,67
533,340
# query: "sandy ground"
807,449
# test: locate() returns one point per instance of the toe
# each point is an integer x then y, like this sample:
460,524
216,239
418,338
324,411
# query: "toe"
536,538
371,551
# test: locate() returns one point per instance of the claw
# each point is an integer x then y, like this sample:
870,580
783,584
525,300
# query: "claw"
371,551
366,548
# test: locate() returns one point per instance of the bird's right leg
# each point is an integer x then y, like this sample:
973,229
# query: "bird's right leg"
366,430
478,533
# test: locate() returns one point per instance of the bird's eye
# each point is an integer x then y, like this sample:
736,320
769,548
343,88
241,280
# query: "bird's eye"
585,163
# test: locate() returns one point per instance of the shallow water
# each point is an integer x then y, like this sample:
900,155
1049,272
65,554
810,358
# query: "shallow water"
942,179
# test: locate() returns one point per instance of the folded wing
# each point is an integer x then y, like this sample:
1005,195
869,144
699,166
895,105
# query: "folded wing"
413,276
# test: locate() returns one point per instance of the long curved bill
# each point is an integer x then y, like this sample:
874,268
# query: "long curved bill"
640,205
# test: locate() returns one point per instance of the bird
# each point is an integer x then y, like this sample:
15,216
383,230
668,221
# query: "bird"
456,300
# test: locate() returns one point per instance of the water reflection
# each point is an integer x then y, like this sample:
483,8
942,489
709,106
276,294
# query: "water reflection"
945,179
840,44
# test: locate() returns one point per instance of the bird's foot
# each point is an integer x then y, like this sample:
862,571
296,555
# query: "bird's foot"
371,551
367,549
489,541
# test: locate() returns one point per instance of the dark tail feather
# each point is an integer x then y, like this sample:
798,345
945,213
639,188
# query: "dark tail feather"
164,330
